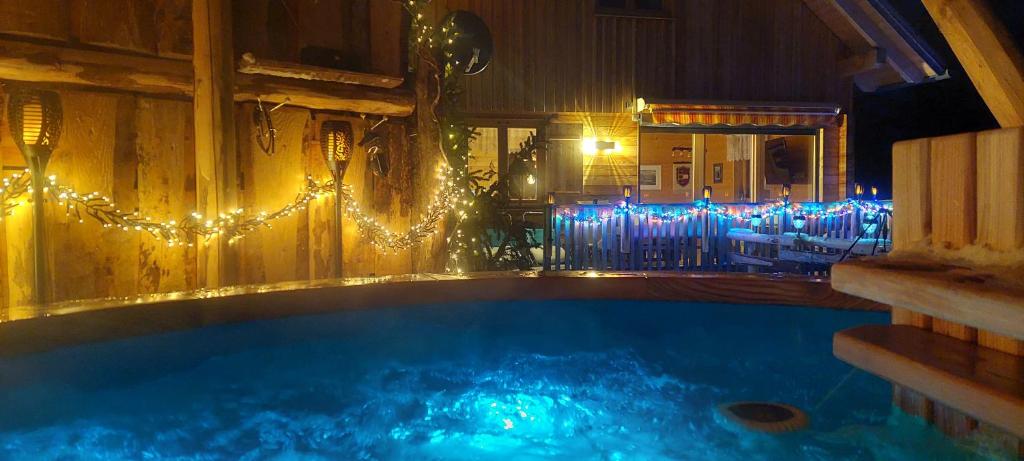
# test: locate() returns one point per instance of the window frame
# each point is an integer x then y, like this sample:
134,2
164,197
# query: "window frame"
816,181
503,125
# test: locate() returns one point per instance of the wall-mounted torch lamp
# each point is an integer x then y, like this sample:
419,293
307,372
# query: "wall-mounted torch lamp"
627,192
35,119
787,190
707,196
858,191
336,147
874,193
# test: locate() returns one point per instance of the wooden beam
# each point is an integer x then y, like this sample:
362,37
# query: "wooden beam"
29,62
879,34
987,52
45,64
249,64
864,62
324,95
972,297
983,383
216,149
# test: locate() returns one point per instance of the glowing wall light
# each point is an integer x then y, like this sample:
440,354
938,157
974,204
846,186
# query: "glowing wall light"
755,220
593,146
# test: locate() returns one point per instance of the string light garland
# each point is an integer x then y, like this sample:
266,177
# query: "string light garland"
13,188
236,224
429,44
750,212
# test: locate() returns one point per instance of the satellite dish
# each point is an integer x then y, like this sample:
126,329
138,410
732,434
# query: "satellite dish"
472,47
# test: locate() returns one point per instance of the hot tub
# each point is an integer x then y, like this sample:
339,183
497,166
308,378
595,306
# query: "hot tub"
553,379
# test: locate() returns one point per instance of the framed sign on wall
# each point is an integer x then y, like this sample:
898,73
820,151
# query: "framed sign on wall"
650,177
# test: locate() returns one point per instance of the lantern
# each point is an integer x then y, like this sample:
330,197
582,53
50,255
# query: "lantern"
35,120
798,222
336,145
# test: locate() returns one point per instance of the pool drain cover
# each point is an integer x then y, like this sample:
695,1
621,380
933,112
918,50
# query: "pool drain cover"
765,416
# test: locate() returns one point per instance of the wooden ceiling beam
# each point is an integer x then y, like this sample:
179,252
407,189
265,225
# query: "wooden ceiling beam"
33,63
872,26
864,62
987,52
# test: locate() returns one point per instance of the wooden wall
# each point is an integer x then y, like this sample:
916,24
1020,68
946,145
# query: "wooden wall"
563,57
560,56
138,149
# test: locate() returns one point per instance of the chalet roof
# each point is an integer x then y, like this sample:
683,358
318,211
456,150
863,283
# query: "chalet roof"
886,50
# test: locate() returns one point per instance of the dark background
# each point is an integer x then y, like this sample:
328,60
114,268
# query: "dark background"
930,109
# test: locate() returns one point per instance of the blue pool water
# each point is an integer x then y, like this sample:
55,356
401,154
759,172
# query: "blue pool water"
506,381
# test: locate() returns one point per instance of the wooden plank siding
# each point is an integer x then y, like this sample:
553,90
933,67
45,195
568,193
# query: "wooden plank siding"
139,149
564,58
561,56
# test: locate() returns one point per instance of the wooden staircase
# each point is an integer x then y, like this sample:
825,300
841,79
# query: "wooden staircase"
955,281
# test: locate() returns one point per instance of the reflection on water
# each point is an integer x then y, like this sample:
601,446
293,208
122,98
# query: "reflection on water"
599,381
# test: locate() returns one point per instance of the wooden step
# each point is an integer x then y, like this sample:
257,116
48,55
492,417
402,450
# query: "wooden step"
983,383
984,300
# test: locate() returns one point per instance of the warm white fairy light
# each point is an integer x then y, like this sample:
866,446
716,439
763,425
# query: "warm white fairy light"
13,188
236,224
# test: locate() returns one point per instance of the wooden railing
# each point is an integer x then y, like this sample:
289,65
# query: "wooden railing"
715,238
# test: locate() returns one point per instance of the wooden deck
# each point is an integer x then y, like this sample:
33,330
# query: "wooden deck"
983,383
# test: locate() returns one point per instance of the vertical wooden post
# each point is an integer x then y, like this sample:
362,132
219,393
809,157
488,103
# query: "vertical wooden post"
911,193
954,225
954,202
1001,207
216,150
549,212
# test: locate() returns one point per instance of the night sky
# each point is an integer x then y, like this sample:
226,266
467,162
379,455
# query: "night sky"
931,109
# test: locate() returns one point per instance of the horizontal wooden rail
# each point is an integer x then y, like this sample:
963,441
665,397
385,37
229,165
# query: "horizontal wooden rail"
46,64
981,382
